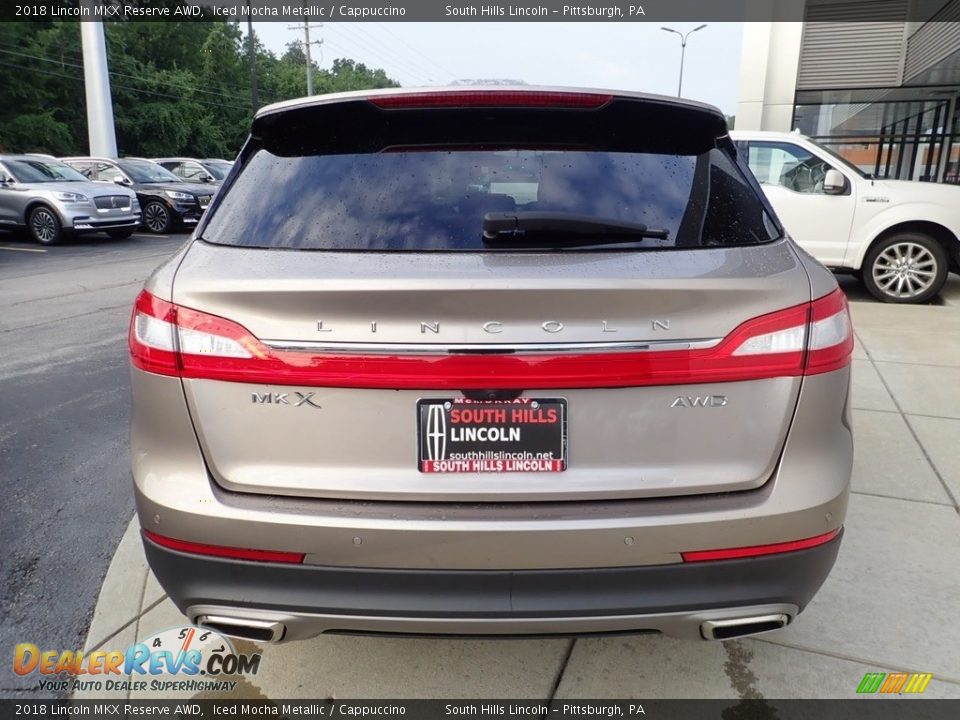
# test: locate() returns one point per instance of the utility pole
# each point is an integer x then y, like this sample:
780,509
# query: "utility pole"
306,47
100,130
683,50
252,41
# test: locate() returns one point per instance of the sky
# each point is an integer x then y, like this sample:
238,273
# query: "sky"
620,56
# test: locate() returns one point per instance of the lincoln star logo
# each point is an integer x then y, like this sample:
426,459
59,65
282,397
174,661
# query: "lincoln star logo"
436,433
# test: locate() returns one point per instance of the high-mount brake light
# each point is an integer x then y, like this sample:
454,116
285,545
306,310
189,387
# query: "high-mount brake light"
806,339
491,98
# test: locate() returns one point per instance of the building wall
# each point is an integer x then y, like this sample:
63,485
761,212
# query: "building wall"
769,65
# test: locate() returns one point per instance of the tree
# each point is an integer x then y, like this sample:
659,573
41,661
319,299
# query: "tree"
177,87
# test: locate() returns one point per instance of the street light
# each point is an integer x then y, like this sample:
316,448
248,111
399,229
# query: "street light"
683,49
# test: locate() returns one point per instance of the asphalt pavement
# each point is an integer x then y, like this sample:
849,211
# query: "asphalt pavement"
64,403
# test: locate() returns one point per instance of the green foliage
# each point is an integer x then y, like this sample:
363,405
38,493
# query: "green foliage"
38,132
179,88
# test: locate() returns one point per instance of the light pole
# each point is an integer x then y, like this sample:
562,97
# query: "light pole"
96,79
683,49
252,55
306,47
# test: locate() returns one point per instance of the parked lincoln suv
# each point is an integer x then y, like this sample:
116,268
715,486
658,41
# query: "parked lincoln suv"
491,361
168,202
197,171
52,201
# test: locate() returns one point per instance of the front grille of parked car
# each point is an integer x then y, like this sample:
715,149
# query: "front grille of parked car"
204,200
112,202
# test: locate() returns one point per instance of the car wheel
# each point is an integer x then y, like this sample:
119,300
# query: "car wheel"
905,268
44,226
121,234
157,217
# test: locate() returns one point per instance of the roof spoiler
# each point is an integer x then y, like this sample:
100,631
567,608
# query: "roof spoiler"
368,122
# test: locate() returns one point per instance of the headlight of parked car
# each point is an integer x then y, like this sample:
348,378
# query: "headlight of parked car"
174,195
71,197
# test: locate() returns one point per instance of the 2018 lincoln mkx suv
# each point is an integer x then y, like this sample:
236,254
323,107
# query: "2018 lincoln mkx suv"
488,362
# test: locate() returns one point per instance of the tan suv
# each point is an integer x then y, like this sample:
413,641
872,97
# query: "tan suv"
491,361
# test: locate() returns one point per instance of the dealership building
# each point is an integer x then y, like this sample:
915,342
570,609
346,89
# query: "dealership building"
878,81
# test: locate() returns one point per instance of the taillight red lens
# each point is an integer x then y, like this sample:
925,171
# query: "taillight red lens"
277,556
171,340
759,550
491,98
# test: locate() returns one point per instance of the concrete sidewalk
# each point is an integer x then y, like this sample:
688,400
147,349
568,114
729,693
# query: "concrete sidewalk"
891,603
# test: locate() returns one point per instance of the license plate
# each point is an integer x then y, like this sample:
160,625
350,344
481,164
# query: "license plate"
471,436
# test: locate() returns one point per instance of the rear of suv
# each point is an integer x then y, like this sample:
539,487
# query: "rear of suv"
488,362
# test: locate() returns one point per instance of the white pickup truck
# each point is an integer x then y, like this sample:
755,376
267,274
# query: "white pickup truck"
901,237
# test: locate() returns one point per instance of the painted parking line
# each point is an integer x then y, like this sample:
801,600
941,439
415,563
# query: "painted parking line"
20,249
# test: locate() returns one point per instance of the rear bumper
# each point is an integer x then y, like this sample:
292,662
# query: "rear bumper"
675,599
493,568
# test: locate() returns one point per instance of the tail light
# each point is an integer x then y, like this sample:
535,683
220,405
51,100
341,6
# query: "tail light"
806,339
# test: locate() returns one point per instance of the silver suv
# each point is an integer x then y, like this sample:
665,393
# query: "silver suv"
491,361
52,200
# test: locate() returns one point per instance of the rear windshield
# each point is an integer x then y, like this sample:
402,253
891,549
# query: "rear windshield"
436,199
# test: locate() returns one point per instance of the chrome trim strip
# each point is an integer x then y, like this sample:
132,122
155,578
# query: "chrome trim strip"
361,348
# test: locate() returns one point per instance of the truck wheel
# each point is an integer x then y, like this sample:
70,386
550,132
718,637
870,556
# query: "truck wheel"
905,268
44,226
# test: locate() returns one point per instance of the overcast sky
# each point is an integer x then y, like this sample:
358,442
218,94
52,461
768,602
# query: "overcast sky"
623,56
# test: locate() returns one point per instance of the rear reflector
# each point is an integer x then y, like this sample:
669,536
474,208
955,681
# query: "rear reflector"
491,98
758,550
805,339
275,556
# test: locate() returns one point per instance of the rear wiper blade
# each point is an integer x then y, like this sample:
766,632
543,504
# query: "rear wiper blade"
558,229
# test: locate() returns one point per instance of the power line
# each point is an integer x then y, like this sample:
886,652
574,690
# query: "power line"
122,87
410,62
115,73
428,71
388,55
439,66
376,53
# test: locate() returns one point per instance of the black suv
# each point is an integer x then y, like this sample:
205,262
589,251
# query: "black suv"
211,170
168,202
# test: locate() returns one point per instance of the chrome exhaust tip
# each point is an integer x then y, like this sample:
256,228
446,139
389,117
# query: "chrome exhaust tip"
243,628
730,628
